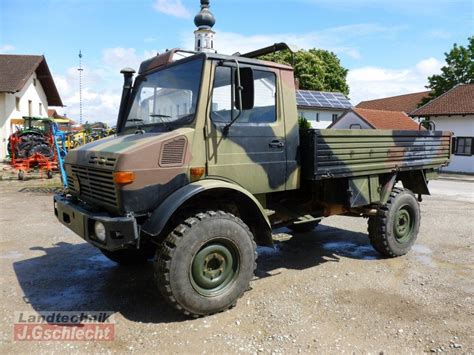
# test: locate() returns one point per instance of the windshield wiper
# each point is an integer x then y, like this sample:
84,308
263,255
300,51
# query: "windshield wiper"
165,123
156,115
139,124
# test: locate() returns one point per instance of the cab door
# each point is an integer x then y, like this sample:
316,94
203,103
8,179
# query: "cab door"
252,152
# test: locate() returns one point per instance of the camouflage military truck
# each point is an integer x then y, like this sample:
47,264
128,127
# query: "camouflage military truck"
209,158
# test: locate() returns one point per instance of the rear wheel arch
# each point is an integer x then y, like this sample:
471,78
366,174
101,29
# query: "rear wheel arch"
210,194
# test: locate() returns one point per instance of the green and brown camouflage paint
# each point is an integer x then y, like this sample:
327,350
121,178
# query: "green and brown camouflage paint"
365,159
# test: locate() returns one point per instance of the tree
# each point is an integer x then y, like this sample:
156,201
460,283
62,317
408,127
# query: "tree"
459,69
315,69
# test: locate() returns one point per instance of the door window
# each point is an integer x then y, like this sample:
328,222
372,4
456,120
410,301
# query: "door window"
264,110
222,95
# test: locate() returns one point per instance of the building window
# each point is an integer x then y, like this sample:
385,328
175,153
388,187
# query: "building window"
34,82
199,43
30,108
463,146
17,103
40,109
334,117
317,116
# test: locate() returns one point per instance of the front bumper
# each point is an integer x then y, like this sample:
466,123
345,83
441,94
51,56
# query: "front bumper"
121,232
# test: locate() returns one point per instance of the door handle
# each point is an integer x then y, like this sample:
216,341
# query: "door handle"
276,143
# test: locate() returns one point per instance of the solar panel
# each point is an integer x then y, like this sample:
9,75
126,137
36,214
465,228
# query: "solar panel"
322,99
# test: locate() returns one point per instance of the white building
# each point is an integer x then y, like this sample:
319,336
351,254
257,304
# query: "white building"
26,89
454,111
361,118
321,108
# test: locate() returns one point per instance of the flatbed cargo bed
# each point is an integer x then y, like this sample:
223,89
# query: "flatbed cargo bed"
335,153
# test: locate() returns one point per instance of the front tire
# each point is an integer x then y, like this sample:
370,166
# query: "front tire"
393,231
206,263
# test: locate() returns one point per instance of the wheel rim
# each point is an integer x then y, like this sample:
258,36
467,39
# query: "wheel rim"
214,267
403,225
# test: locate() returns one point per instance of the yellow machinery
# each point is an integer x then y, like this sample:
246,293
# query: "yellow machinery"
89,133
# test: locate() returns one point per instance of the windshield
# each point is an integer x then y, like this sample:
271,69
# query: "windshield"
165,99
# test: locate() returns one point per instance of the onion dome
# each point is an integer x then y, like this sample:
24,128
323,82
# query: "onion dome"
204,18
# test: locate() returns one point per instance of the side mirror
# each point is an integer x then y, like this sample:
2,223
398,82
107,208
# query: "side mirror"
247,89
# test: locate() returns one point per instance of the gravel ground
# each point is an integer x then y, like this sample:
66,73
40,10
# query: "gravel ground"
326,291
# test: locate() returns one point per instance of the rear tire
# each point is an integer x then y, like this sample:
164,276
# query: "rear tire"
128,257
393,231
43,149
206,263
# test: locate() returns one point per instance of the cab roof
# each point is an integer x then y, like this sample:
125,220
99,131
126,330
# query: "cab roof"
169,57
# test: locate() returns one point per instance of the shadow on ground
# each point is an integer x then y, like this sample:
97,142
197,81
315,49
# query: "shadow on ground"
77,277
304,250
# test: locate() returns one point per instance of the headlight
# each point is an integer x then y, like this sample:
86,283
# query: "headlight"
99,230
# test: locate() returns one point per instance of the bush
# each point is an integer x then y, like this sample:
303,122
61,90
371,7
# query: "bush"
303,123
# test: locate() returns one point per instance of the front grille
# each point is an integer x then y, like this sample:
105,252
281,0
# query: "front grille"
102,161
93,185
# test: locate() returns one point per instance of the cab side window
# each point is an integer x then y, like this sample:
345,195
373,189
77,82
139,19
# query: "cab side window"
264,110
222,95
265,97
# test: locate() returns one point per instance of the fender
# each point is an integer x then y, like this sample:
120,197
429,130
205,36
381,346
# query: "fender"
416,181
160,216
387,188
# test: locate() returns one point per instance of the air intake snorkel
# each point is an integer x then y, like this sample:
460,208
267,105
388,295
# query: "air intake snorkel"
126,92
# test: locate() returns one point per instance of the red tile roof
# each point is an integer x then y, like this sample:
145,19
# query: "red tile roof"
457,101
15,70
406,103
380,119
52,113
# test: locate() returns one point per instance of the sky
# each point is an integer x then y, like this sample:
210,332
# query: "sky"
389,47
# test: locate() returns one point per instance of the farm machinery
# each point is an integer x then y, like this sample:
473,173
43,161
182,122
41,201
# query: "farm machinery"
89,134
35,146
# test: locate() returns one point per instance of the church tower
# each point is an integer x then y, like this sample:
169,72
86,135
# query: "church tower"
204,35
